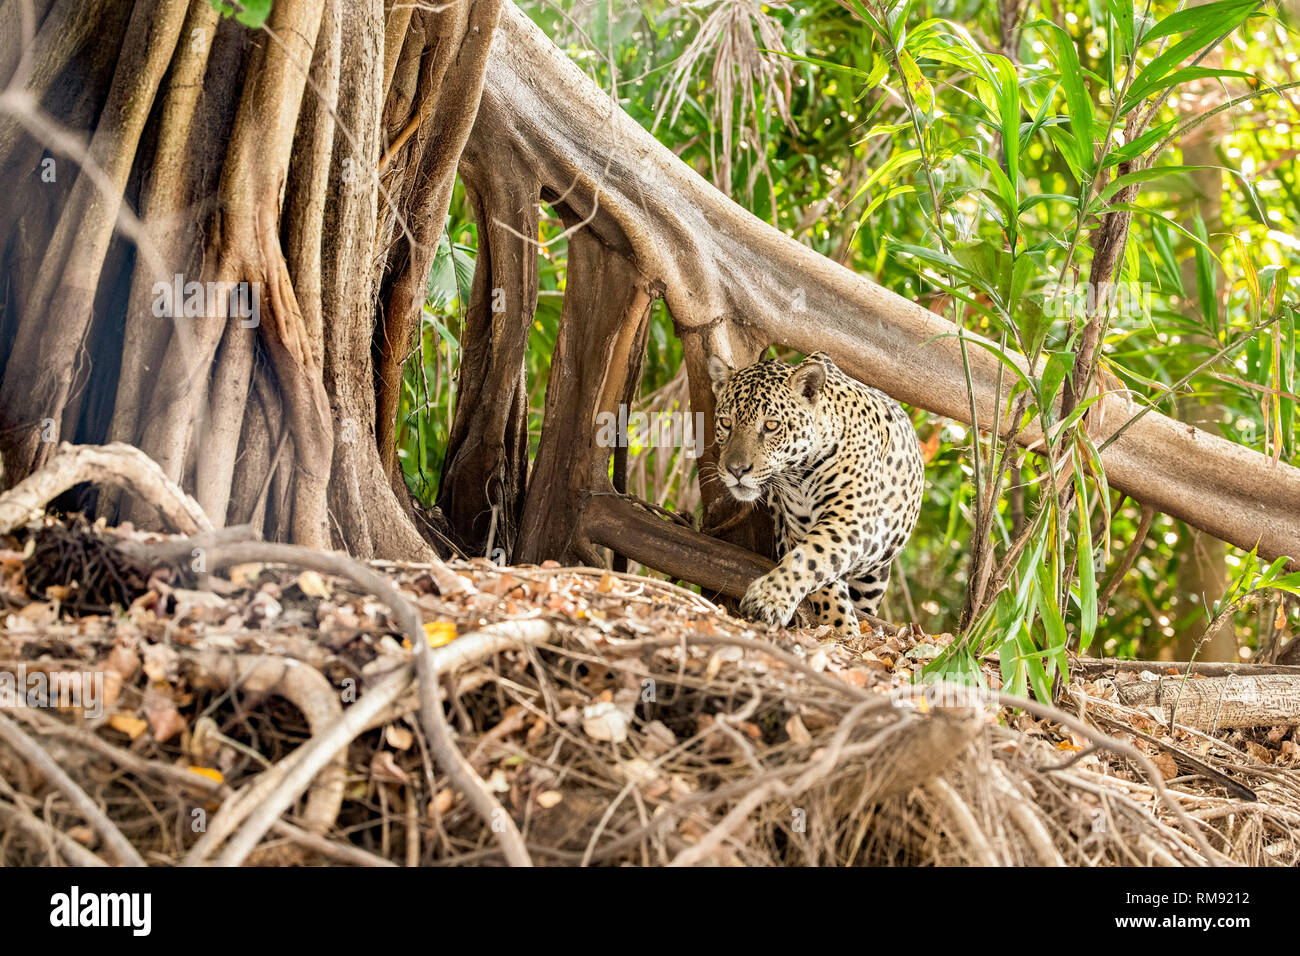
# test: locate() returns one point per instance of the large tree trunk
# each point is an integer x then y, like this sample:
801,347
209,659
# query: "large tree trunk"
249,156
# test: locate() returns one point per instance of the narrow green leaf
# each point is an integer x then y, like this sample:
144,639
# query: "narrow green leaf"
917,84
1087,569
1077,99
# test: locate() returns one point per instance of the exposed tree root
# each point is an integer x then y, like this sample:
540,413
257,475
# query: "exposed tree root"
14,736
116,465
609,720
305,688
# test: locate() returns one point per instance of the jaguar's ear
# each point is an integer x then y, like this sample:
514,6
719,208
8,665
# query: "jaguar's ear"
807,380
719,373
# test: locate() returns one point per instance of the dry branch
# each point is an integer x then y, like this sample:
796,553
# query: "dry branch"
1218,702
1121,748
314,754
33,753
185,779
306,762
118,465
20,817
1097,667
632,529
308,690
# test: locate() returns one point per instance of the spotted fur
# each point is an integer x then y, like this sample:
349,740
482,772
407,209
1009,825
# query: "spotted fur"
839,467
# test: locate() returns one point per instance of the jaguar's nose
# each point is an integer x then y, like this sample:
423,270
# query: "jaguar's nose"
740,471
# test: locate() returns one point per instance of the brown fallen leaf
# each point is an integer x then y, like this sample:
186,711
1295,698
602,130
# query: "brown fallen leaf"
384,769
659,738
442,802
161,663
857,676
244,575
1166,765
799,735
164,719
127,724
38,612
313,585
1259,752
398,737
59,592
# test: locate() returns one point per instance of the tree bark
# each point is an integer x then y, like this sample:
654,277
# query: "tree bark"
485,470
1222,703
596,366
230,155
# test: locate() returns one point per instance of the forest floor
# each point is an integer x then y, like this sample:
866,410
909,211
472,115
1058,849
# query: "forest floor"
614,719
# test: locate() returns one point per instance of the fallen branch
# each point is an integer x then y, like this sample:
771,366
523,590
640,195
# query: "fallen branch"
35,754
308,690
812,773
964,820
1185,759
628,527
1117,747
1026,817
307,761
1218,703
631,528
1099,667
16,815
182,777
118,465
432,719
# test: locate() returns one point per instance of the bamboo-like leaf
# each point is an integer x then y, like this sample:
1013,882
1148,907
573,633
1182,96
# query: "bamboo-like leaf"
1204,25
1141,176
1077,99
1207,292
1087,570
917,84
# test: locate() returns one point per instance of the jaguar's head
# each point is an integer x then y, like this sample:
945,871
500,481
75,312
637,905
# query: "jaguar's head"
765,416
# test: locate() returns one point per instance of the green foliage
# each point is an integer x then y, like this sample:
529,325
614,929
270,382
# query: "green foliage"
970,168
251,13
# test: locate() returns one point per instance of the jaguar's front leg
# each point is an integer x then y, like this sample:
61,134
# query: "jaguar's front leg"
772,598
834,608
819,559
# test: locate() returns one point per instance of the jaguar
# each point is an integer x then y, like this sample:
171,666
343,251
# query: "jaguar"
839,467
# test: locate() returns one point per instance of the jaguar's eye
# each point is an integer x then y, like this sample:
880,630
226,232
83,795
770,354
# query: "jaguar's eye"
724,422
771,425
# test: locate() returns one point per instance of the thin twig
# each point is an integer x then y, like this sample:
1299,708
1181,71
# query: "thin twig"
1121,571
35,754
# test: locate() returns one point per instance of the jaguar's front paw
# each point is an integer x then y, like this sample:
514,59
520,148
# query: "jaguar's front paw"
769,601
